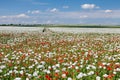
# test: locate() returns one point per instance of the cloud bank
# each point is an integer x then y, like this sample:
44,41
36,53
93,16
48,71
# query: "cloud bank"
55,16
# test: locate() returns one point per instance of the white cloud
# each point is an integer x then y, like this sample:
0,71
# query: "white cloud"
65,7
89,6
3,16
20,16
54,10
84,16
108,11
16,16
34,12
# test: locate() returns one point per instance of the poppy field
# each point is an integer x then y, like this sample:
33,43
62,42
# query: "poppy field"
59,56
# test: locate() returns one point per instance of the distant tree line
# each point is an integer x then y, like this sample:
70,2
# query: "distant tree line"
27,25
62,25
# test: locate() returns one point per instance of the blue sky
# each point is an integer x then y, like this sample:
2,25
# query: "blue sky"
60,11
